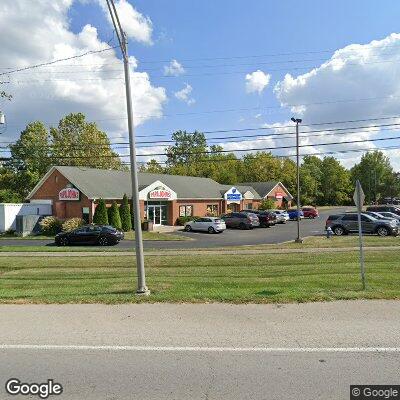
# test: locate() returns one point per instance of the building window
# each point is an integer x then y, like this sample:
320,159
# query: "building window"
249,206
212,210
56,178
186,211
85,214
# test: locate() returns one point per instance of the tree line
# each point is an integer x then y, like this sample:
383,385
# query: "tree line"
76,142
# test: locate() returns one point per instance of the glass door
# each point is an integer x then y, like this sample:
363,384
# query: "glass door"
154,214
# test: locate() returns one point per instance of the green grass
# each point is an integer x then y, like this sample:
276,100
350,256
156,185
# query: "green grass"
206,278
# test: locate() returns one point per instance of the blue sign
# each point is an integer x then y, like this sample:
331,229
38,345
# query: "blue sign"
234,196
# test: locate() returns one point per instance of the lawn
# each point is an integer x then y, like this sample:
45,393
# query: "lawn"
260,278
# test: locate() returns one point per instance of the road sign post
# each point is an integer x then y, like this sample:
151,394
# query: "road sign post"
359,198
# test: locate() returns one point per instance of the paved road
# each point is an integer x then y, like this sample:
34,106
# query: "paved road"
231,237
204,351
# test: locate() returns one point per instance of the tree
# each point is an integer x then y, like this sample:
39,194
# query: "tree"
77,142
260,167
125,215
114,218
100,216
267,204
310,180
152,166
375,174
336,188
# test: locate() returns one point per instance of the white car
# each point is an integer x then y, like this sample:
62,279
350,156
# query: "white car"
281,216
206,224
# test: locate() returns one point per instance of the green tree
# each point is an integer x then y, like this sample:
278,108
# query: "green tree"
81,143
310,180
125,215
100,216
260,167
288,175
336,188
267,204
152,166
114,219
375,174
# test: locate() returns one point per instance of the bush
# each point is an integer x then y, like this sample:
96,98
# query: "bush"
71,224
181,221
50,225
113,216
267,204
100,216
125,215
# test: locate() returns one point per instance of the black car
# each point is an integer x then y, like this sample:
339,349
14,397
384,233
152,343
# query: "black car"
102,235
385,208
241,220
266,218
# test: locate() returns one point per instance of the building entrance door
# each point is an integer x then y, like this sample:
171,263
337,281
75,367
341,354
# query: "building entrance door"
157,214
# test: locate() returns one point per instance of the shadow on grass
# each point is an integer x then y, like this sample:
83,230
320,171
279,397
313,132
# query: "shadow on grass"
268,293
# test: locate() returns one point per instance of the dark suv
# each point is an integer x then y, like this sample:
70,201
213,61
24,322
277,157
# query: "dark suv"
342,224
385,208
241,220
266,218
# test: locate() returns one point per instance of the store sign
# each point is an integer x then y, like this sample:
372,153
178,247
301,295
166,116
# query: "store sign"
233,195
68,194
162,194
279,195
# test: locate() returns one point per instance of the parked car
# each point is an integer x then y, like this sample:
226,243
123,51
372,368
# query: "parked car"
266,218
380,216
241,220
282,216
206,224
310,212
103,235
385,208
294,215
343,224
390,215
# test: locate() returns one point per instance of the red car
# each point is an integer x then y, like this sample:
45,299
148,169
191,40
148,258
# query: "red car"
310,212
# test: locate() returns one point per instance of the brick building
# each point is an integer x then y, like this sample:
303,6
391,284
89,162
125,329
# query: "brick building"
73,192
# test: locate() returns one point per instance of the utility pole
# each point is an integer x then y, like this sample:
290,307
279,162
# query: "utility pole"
298,121
141,284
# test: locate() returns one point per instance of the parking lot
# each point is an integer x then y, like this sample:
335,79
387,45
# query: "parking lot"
231,237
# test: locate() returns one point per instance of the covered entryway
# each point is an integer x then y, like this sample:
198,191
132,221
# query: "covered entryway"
157,212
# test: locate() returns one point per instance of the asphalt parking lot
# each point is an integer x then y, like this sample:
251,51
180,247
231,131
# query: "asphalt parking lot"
231,237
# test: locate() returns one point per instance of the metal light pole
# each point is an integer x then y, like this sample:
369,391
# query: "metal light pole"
141,286
298,121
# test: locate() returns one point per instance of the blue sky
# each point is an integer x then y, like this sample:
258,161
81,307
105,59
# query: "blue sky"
187,30
217,43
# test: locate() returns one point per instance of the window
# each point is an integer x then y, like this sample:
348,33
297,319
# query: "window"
212,210
250,206
85,214
186,211
365,218
350,217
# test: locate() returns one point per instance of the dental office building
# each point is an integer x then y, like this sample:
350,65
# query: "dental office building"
73,192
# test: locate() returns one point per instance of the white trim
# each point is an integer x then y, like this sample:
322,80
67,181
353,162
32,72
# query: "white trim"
248,195
284,188
202,348
143,194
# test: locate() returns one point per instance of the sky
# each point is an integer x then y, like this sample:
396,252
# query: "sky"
211,66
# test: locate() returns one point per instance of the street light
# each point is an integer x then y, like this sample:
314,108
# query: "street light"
298,121
2,119
123,44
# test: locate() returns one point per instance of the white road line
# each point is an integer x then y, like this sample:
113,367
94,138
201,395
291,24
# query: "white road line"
204,349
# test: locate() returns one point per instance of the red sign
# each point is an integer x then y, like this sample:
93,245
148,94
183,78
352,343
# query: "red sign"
160,194
68,194
279,195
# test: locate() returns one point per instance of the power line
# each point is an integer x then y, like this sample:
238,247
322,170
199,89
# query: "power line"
58,60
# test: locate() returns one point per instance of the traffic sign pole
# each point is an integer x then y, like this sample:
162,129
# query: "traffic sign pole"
359,198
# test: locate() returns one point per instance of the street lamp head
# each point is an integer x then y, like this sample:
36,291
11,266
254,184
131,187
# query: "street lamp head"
296,120
2,118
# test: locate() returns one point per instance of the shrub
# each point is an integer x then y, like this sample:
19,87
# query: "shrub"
100,216
181,221
125,215
71,224
114,218
50,225
267,204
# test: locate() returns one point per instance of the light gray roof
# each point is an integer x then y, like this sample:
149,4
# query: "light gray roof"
263,188
112,184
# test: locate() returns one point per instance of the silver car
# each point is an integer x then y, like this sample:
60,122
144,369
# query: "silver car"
281,216
206,224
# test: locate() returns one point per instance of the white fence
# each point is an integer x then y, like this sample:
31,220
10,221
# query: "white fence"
9,212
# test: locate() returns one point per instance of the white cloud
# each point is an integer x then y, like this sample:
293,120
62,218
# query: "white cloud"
174,68
92,84
135,25
257,81
357,82
184,95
